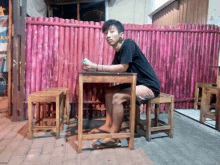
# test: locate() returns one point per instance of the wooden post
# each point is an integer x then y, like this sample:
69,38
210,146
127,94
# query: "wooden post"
78,11
9,58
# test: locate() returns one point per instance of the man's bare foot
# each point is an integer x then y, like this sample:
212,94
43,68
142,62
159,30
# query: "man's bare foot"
102,129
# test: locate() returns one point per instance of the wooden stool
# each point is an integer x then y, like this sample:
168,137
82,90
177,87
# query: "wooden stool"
67,101
43,97
198,87
159,125
205,106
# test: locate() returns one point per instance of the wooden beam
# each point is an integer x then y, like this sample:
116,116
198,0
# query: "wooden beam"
9,59
78,11
68,2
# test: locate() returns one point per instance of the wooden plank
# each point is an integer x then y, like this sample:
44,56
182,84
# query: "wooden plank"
132,111
10,59
161,128
107,79
78,11
102,136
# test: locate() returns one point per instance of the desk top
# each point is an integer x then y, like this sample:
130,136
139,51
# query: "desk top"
107,73
215,66
46,93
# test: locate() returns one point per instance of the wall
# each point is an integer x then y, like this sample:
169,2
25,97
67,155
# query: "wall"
180,55
129,11
214,12
182,11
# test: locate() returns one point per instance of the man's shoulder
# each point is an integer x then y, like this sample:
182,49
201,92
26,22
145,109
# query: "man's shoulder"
129,40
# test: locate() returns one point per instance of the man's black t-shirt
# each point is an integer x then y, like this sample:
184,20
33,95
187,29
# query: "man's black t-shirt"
138,63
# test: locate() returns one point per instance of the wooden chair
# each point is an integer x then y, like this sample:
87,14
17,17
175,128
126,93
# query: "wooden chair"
159,125
42,98
67,102
205,105
198,88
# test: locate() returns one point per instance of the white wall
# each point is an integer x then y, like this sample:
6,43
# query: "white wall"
133,11
36,8
129,11
214,12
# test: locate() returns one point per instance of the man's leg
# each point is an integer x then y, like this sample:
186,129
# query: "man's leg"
108,103
118,110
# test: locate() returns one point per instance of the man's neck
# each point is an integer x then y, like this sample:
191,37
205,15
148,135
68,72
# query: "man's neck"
117,47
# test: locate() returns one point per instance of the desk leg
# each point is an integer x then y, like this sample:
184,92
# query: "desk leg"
132,113
217,112
203,106
30,118
58,117
67,108
80,113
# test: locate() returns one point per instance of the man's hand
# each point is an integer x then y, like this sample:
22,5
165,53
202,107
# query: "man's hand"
91,67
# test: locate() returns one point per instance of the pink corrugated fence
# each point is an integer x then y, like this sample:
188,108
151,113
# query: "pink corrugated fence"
181,55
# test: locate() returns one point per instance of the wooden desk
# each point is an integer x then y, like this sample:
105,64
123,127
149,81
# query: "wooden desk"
106,77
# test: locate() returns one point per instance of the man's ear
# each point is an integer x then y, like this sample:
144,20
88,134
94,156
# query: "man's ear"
122,35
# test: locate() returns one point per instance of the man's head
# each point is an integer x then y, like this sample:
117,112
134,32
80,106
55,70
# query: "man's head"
113,31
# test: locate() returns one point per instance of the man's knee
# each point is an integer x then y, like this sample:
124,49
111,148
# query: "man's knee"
118,99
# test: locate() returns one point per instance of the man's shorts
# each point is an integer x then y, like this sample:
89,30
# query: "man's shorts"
143,93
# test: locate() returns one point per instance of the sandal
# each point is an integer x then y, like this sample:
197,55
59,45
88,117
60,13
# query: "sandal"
101,143
97,130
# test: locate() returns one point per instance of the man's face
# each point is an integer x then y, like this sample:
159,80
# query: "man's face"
112,36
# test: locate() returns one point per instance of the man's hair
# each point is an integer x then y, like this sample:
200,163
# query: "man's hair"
111,22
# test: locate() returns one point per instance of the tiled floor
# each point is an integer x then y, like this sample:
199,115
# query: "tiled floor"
44,149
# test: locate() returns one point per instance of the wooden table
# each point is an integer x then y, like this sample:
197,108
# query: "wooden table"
106,77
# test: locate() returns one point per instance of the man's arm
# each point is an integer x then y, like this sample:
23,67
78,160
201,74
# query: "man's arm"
113,68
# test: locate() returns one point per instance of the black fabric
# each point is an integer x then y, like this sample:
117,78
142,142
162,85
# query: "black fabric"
138,63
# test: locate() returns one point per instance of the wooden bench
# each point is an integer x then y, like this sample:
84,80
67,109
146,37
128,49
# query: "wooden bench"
41,98
67,101
159,125
205,105
199,86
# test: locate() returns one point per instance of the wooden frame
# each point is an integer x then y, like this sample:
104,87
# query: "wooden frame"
42,97
198,87
67,101
205,105
159,125
105,77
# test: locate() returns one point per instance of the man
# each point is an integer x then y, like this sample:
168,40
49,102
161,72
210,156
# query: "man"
128,58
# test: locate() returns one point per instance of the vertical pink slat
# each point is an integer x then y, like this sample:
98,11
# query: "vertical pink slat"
86,55
56,55
61,55
39,55
72,71
50,54
66,54
193,49
91,44
174,62
141,38
28,60
45,56
34,56
190,62
169,59
75,77
216,53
